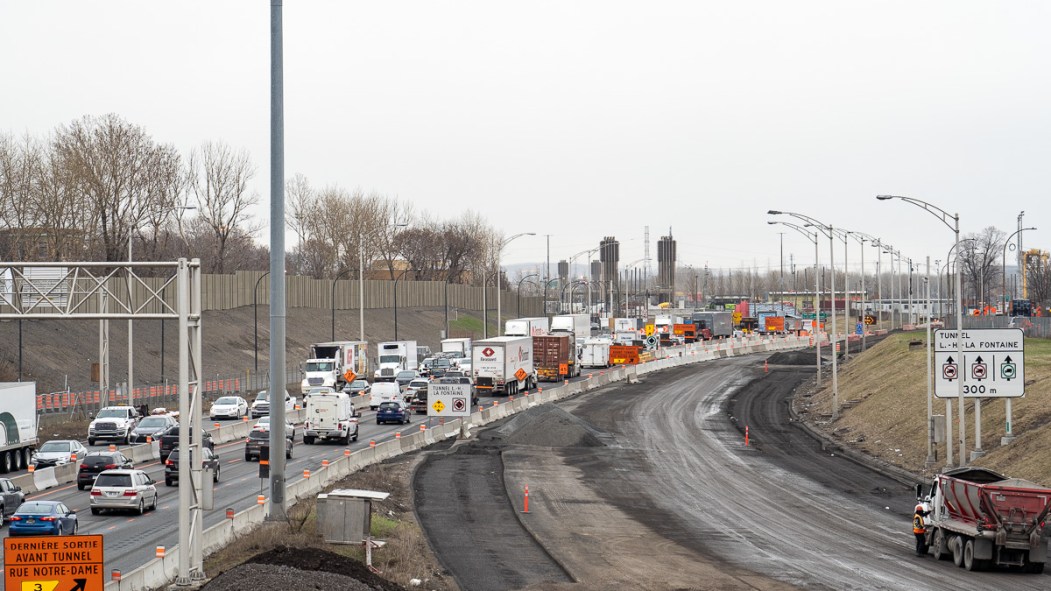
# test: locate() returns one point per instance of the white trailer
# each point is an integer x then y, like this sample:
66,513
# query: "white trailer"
595,352
461,345
578,324
394,356
503,365
330,415
328,363
18,424
526,327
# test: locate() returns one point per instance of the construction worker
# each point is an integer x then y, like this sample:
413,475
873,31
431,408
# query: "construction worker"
919,529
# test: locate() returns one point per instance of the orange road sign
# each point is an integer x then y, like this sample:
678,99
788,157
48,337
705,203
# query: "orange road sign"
53,563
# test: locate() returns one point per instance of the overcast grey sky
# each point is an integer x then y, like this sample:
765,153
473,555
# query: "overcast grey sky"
582,119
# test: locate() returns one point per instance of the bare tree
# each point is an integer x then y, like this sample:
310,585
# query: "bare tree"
979,261
1038,280
218,179
19,167
110,161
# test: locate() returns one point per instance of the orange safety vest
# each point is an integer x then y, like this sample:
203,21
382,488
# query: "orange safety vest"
917,524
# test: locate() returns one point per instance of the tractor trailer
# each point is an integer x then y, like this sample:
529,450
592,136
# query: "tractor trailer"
503,365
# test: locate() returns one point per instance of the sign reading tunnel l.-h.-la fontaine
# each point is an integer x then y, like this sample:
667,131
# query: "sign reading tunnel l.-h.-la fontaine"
989,364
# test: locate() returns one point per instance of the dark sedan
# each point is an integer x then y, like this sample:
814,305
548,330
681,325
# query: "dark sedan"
153,427
97,462
171,466
393,412
43,518
259,439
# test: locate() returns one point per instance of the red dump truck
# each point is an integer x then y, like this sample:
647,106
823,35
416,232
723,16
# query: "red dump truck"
983,519
555,356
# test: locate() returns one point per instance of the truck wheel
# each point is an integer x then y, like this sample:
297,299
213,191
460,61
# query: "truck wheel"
91,441
1035,568
938,548
969,561
5,462
308,440
355,438
26,457
956,543
16,456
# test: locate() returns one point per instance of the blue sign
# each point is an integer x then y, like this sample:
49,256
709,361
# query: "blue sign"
858,328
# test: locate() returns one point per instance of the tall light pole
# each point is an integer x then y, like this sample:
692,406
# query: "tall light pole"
572,259
844,235
827,230
131,345
499,321
255,319
862,237
1008,433
520,281
1003,268
332,300
945,216
812,236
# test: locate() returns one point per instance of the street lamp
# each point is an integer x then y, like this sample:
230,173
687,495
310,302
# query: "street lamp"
520,281
572,259
332,300
499,321
255,319
1008,433
827,230
811,236
945,216
1003,281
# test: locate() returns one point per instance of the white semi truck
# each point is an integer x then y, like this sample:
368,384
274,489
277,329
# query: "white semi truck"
526,327
578,324
328,363
18,424
503,365
394,356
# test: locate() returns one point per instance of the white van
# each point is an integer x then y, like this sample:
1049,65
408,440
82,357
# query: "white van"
384,392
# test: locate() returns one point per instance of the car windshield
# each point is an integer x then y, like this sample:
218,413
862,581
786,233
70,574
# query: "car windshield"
406,375
100,460
320,366
442,363
56,446
390,406
390,358
153,422
263,421
418,384
260,435
264,396
359,384
31,508
113,480
112,413
228,400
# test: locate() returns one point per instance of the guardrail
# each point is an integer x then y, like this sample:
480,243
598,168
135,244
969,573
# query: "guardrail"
158,572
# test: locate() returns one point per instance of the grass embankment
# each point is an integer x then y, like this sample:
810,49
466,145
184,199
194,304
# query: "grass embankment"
884,413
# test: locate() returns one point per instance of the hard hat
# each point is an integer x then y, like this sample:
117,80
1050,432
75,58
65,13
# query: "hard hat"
919,507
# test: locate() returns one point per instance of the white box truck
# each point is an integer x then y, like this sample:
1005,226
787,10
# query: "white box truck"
578,324
328,363
330,416
526,327
462,345
595,352
503,365
18,424
394,356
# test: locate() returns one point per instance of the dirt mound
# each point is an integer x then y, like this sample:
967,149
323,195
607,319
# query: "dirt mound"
547,426
295,569
801,357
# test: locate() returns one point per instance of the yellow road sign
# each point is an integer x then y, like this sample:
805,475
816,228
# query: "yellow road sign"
650,329
438,406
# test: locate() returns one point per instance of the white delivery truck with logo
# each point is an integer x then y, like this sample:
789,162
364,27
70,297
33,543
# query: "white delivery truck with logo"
18,424
328,363
503,365
330,416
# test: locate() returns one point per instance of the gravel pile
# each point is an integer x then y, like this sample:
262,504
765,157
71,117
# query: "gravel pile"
547,426
300,569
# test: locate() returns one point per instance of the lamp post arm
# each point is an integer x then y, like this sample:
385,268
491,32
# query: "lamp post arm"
934,210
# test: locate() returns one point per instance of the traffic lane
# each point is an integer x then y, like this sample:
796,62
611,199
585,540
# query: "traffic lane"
752,512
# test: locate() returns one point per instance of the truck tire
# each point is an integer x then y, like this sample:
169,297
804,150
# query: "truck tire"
938,547
26,457
308,440
956,543
969,561
5,462
16,456
1035,568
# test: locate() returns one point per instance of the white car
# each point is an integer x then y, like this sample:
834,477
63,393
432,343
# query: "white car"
261,404
130,490
263,424
229,407
58,452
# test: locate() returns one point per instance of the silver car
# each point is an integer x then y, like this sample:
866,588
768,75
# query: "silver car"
130,490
